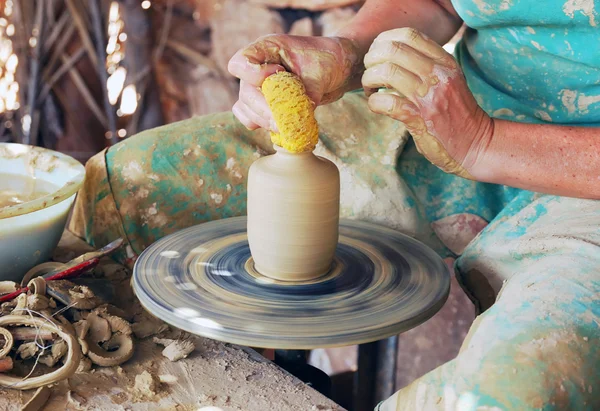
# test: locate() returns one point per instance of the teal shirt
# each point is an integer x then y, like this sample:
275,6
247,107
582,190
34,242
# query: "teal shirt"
533,61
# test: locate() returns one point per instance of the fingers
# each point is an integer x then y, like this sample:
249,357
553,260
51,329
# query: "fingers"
323,64
252,109
240,111
252,65
249,117
400,54
405,60
394,106
391,76
256,62
253,98
416,40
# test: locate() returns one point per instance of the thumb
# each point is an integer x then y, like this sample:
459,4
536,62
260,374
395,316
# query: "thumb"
254,63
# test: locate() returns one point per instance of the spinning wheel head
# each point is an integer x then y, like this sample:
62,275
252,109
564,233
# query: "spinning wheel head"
203,280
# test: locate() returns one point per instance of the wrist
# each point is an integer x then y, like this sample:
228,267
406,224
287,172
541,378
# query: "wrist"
360,42
353,55
477,161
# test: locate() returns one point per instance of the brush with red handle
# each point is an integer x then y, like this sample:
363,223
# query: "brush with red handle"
73,268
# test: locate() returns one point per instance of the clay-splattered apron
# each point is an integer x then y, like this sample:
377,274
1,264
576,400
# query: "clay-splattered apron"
537,346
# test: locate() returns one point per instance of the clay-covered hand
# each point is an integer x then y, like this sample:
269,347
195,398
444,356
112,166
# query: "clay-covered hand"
326,66
411,78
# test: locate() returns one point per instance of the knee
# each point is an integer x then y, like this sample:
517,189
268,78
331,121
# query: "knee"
539,369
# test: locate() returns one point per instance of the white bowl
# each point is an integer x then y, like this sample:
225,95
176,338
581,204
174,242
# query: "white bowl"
30,231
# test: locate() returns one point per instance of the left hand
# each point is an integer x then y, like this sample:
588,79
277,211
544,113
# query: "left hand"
427,91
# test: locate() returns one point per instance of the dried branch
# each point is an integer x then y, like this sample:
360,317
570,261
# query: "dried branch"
58,51
140,75
30,132
24,15
139,58
16,130
191,55
57,28
164,34
35,125
67,65
99,29
2,131
83,11
85,92
82,29
8,117
50,12
22,20
52,126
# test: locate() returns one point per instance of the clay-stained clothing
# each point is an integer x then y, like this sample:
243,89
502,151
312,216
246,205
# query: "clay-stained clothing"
537,264
536,346
533,61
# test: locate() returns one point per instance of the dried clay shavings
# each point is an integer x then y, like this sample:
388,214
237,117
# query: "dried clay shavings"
293,112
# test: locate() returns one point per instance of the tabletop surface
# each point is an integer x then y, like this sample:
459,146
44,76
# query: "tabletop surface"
215,376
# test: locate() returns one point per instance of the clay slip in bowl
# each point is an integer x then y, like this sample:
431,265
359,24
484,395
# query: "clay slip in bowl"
30,231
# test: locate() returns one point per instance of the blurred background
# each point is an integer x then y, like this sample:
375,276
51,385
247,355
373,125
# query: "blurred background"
77,76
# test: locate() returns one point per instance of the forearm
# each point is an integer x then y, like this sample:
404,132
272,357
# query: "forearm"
550,159
376,16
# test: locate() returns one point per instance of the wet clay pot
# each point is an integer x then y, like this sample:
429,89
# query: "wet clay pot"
293,215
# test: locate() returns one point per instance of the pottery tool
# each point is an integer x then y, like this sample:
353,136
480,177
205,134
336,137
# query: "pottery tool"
291,275
202,280
56,271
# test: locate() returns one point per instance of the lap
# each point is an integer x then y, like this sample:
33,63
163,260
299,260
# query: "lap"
194,171
555,237
533,348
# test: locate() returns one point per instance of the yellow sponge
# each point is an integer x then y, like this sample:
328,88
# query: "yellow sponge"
293,112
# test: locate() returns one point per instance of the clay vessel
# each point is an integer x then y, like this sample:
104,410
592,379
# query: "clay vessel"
293,215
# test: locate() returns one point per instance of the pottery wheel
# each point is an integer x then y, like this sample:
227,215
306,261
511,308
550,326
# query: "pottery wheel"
202,280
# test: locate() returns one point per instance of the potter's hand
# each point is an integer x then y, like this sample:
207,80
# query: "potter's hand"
326,66
426,90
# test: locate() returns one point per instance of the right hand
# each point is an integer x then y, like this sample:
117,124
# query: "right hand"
326,65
